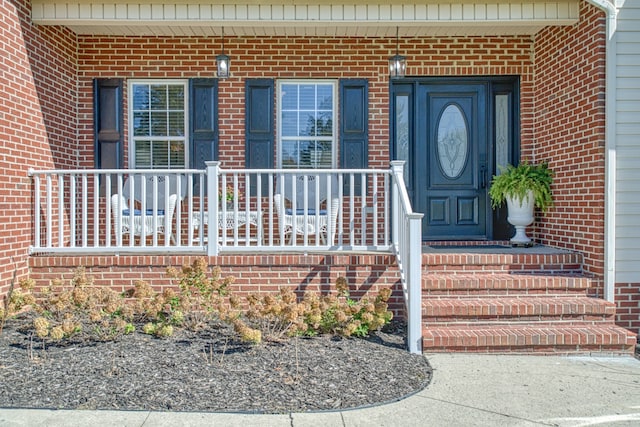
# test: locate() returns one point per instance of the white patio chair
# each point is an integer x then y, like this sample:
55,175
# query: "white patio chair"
305,217
157,217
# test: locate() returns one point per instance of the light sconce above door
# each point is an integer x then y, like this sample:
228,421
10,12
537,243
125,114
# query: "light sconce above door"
397,62
223,61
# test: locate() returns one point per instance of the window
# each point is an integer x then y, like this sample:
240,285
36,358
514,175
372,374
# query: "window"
158,124
306,125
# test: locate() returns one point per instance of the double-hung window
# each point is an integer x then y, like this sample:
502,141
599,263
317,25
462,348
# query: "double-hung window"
158,124
306,123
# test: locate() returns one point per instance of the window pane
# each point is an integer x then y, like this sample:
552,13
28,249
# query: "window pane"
289,154
158,97
324,124
289,97
176,123
158,123
140,97
307,97
141,124
325,97
308,124
177,155
402,132
176,97
289,124
143,154
160,154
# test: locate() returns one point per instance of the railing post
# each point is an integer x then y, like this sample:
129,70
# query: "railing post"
397,167
213,170
414,283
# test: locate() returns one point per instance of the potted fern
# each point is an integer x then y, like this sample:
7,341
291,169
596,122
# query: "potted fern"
522,187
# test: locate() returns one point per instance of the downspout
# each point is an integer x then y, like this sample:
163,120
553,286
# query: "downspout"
610,148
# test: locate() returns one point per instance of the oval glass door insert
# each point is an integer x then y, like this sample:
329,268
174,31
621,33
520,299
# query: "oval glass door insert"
453,141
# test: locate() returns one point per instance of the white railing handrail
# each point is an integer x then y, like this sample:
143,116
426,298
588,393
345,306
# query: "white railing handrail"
407,244
33,172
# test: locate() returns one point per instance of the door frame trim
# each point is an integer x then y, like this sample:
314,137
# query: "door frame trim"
497,226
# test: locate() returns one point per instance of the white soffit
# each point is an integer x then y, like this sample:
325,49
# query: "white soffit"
305,18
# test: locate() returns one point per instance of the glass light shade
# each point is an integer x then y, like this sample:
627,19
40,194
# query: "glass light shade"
397,66
223,66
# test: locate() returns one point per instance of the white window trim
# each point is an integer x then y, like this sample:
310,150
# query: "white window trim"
336,140
130,84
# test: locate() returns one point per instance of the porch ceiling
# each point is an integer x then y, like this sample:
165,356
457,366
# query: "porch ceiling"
305,18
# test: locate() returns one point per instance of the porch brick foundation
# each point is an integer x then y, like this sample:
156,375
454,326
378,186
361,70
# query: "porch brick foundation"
627,299
366,274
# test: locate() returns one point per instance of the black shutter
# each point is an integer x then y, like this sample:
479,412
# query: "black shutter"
203,121
108,126
259,128
203,124
354,127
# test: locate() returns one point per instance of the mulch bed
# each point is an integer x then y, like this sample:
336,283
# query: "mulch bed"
208,371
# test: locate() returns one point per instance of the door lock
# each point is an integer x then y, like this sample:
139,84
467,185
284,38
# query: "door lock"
483,177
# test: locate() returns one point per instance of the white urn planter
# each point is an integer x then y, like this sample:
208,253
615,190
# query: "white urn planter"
520,215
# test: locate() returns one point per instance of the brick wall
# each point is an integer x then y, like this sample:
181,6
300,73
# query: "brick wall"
561,69
627,297
37,122
366,274
569,133
296,57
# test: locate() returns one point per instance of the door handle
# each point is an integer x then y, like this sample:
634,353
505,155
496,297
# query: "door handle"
483,177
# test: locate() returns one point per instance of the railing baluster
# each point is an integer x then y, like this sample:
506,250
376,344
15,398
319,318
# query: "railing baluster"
108,225
72,209
60,210
36,212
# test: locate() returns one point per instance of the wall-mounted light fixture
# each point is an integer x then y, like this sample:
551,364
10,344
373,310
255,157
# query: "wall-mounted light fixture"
397,63
223,61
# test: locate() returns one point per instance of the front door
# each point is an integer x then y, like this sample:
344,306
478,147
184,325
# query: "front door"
445,130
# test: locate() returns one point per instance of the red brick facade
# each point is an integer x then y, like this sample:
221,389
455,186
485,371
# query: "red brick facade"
366,274
37,122
569,133
627,297
47,108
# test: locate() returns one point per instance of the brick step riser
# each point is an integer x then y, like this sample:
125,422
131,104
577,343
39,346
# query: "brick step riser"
504,269
484,293
552,350
560,260
480,283
547,304
555,337
455,285
548,320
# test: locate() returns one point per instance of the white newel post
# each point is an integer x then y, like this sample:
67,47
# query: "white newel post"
213,170
397,168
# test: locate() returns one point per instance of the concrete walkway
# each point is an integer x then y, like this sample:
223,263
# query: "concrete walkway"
467,390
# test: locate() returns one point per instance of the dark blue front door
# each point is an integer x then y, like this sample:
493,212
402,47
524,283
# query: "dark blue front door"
451,161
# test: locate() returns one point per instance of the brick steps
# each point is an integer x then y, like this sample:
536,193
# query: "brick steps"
515,301
546,308
503,283
539,339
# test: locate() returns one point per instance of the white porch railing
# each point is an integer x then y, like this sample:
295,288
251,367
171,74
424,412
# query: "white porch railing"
216,211
161,211
407,244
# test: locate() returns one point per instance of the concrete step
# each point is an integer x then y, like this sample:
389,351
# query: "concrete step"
547,339
475,283
530,309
